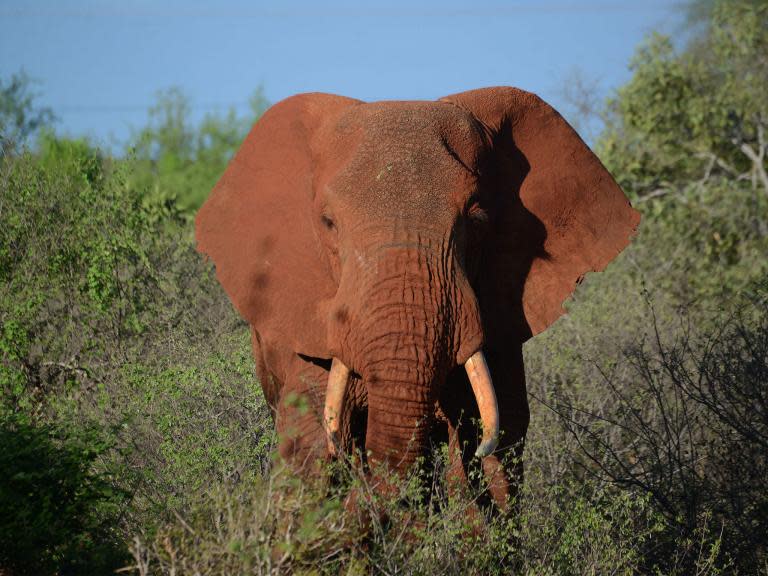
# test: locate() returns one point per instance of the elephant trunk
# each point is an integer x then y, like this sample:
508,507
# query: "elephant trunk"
402,390
405,316
400,412
403,341
410,340
482,387
401,401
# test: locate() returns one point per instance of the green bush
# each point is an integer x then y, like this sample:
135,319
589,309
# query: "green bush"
175,159
76,246
282,525
59,512
682,419
688,115
109,316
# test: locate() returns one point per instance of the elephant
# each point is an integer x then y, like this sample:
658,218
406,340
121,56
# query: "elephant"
392,257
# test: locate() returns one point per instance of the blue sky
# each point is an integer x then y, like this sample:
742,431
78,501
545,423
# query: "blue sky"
100,64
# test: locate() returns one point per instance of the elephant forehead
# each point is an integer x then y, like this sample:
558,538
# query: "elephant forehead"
407,156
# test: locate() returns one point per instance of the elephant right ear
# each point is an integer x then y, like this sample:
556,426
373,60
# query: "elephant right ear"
559,212
258,224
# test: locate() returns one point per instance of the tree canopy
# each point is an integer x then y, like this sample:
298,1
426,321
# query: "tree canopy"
696,112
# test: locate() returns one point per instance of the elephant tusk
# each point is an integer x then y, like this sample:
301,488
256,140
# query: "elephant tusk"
338,379
482,386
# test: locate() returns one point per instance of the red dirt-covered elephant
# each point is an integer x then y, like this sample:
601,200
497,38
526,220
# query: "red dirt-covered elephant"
392,257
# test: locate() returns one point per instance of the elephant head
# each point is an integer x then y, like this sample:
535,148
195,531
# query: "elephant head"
396,241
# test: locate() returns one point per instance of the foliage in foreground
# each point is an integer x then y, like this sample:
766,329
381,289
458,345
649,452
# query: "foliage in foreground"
664,472
58,512
281,525
115,339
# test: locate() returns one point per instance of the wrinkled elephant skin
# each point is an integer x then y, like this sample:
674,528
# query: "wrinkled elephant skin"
392,257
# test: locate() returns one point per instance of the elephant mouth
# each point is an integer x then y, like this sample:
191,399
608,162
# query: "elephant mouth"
480,379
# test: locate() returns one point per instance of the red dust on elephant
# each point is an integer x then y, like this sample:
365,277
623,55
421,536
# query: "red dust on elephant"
392,258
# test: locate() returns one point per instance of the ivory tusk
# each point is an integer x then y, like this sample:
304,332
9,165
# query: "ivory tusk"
482,386
338,379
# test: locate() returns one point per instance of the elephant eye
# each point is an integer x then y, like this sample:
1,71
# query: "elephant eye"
474,212
477,215
328,222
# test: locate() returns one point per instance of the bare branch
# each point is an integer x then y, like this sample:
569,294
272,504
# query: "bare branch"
655,194
756,158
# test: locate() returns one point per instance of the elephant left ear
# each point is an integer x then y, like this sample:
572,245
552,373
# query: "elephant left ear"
259,224
557,212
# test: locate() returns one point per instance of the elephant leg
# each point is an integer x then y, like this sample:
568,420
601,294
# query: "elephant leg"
458,403
456,474
269,383
504,468
456,479
295,400
301,438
